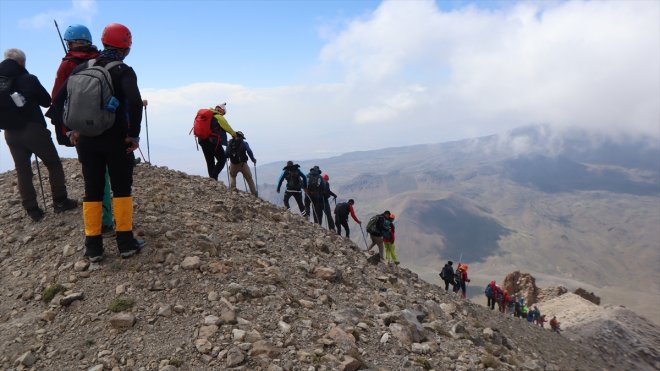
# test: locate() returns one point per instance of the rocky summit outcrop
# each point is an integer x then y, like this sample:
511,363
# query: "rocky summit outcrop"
521,285
626,340
587,295
229,281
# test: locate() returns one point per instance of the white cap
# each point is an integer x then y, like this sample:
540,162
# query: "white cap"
223,105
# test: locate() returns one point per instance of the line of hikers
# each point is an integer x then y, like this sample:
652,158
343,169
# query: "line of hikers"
312,193
517,306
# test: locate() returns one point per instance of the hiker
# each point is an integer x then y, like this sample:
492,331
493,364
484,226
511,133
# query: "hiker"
238,151
341,216
541,320
376,228
461,279
447,275
554,324
296,182
314,194
388,241
504,300
517,309
214,154
491,294
524,310
530,316
112,148
80,50
326,201
26,133
536,314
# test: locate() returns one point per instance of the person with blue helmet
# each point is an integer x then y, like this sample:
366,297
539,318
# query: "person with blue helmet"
80,49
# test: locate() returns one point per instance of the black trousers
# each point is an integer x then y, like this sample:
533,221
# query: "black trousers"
491,303
447,283
95,153
316,201
342,223
297,195
34,138
215,157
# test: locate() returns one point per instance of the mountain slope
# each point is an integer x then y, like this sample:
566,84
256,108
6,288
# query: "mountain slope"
228,280
574,209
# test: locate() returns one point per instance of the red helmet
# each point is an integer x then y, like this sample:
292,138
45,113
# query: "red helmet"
326,177
117,35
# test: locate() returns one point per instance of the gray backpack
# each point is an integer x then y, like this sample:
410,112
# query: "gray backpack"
90,104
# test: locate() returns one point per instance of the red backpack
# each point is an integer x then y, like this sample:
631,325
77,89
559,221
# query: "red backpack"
202,125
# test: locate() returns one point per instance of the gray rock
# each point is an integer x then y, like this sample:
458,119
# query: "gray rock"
235,357
26,359
191,263
122,320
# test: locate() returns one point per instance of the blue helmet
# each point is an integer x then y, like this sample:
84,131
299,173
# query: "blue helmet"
78,32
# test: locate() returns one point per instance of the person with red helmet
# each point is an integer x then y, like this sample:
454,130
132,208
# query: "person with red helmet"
113,148
326,201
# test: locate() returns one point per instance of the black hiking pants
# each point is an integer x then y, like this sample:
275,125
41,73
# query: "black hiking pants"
447,283
316,201
215,157
491,303
297,195
328,213
339,222
34,138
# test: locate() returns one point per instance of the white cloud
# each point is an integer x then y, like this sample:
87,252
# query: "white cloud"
412,73
84,10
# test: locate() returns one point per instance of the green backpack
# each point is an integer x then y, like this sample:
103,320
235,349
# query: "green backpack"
371,226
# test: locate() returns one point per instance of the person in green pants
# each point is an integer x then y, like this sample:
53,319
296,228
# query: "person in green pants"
108,227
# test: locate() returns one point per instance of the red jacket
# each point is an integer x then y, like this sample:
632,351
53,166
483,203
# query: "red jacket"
72,59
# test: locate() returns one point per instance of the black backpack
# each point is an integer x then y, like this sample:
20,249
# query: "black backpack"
10,114
314,182
292,177
372,225
236,151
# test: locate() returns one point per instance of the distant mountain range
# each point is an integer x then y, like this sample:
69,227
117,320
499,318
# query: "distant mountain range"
572,208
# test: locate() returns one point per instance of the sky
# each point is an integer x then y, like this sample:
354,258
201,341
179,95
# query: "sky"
315,79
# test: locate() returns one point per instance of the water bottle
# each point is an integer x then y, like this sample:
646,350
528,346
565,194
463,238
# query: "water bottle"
18,99
112,104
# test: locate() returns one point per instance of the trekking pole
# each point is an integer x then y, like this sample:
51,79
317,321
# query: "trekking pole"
227,162
60,35
256,178
364,237
146,122
41,182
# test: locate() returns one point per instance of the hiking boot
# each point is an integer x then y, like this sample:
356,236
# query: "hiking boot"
134,249
108,231
94,248
36,214
62,206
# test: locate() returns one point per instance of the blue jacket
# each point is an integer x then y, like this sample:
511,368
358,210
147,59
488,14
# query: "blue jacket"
295,170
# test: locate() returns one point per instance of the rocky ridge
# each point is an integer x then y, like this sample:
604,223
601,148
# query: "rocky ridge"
615,331
229,281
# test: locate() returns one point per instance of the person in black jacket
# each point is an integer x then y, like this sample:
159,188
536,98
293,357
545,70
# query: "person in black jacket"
26,133
112,148
296,182
238,151
342,210
327,193
447,275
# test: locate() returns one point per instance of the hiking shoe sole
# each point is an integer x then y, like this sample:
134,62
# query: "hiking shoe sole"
139,244
95,259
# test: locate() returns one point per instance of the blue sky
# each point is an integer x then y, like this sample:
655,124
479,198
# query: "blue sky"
310,79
